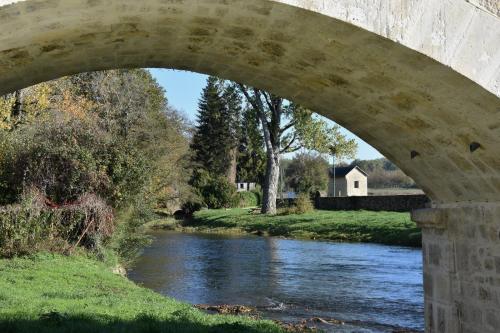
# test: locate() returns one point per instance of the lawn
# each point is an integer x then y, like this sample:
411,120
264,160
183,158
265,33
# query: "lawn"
52,293
350,226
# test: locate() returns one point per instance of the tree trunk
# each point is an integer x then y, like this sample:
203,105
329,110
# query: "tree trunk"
272,139
18,106
270,190
232,171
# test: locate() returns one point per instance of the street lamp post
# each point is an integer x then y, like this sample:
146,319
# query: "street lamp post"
334,178
333,151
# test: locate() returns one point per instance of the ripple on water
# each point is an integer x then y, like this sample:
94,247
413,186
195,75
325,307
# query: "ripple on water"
373,288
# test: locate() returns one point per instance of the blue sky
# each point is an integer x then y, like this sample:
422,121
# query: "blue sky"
184,89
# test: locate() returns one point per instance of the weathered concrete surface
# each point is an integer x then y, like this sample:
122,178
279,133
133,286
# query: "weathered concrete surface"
417,79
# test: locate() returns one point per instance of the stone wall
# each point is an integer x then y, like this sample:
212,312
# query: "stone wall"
461,252
394,203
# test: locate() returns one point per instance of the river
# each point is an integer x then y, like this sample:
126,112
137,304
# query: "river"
373,288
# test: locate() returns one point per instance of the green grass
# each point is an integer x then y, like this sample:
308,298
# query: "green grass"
52,293
352,226
167,223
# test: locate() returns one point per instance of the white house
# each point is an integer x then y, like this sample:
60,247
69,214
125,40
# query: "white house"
245,187
349,182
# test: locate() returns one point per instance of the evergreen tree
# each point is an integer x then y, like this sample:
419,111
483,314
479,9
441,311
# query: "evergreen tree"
212,140
232,100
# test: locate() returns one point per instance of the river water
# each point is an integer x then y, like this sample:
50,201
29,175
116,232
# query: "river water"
373,288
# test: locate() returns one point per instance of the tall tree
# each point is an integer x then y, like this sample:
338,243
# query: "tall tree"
18,107
213,140
251,157
232,119
287,127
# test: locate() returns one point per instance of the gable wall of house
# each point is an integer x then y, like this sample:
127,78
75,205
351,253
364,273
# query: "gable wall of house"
351,179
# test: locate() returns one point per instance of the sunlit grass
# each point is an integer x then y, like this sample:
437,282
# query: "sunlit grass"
52,293
354,226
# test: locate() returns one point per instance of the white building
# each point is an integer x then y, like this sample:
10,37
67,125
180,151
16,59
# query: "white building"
349,182
245,187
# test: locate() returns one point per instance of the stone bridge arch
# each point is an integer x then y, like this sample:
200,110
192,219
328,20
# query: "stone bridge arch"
419,80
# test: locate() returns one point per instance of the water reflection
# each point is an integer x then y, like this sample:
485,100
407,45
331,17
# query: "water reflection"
377,286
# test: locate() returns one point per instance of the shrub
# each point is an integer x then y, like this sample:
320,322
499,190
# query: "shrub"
303,204
32,225
192,204
258,194
215,191
130,238
248,199
66,158
219,193
191,207
307,173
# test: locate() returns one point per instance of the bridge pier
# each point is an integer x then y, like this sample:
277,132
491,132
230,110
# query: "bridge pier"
461,252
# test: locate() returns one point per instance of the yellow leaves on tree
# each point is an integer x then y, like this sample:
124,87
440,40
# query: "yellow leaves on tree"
6,104
75,106
36,101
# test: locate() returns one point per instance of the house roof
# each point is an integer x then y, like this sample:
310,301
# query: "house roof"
344,171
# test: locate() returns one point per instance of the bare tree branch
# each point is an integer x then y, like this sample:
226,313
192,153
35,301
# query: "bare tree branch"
268,101
289,145
278,103
288,126
259,107
248,97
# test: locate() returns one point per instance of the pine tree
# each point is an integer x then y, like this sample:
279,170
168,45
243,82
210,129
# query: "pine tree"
232,100
211,142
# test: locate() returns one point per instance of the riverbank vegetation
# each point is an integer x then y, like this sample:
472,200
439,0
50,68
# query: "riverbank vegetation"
348,226
84,163
85,160
48,293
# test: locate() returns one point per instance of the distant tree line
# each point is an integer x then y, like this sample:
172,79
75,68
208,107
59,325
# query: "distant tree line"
382,173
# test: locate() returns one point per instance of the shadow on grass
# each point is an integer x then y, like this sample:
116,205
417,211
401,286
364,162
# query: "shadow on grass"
56,323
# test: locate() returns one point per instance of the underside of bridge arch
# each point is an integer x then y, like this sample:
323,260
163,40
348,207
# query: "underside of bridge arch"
419,80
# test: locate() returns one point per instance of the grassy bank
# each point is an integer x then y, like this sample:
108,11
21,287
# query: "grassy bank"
351,226
52,293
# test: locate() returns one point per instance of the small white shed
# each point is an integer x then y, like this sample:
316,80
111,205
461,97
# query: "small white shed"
349,182
245,187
